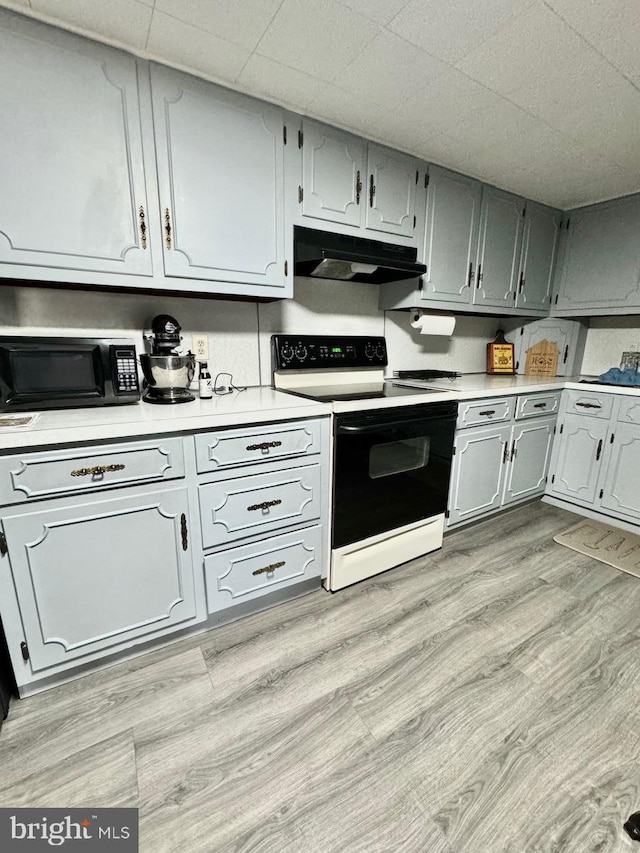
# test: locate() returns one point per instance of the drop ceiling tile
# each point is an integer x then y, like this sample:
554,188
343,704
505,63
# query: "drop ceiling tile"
15,4
456,154
179,43
450,28
240,23
355,113
390,71
536,45
319,39
612,27
381,11
451,99
268,79
123,21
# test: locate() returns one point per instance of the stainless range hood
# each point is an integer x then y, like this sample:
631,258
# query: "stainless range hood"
322,254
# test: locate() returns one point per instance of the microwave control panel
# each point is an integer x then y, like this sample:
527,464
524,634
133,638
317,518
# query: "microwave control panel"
124,370
306,352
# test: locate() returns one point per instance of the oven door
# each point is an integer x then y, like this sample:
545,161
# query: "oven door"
391,468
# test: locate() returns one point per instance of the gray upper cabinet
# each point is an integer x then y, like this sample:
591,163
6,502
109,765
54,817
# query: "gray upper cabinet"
333,173
600,272
451,241
221,183
71,163
499,249
391,191
538,256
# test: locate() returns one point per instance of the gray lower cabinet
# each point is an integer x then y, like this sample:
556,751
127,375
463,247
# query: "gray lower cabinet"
620,492
577,458
502,464
94,574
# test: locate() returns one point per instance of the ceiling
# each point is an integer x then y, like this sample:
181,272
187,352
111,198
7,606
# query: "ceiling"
541,98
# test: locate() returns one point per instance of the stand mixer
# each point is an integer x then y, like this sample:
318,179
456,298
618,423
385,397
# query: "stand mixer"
167,373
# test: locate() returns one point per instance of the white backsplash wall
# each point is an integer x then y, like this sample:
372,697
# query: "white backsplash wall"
232,327
607,337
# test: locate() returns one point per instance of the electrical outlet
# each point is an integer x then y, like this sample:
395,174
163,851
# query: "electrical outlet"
200,344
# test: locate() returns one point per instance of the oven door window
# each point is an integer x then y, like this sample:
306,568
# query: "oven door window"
390,469
398,457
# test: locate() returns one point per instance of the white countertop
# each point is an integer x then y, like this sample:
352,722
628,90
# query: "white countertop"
255,405
473,385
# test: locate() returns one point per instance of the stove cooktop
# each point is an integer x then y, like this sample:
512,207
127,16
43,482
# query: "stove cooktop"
360,391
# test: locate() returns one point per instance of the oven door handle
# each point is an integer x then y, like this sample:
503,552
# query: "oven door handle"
346,429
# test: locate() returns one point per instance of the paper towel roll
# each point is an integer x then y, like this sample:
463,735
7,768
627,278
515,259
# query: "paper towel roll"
433,324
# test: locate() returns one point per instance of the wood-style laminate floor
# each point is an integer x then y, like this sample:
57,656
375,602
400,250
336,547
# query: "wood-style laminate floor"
484,699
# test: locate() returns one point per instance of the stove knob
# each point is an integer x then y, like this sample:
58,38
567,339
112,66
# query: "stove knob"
301,353
286,353
369,351
380,351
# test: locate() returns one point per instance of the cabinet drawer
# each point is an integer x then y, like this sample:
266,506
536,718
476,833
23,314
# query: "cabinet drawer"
248,506
245,573
532,405
28,476
588,403
629,410
489,411
219,450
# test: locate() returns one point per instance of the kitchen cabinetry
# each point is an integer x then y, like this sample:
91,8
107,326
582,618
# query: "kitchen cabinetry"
263,496
481,245
220,176
505,461
347,181
596,457
72,170
600,272
569,336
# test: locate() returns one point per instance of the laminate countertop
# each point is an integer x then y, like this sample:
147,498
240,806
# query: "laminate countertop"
472,386
240,408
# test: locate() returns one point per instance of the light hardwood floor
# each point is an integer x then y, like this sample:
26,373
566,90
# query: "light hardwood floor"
483,699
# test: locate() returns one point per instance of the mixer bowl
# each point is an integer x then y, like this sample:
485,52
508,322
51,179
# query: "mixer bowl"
170,372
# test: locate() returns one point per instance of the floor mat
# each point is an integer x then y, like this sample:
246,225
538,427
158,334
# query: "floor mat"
604,542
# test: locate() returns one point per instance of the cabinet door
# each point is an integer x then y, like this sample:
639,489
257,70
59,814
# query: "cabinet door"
564,333
453,210
538,255
478,472
391,191
620,493
577,458
529,459
91,576
499,250
601,266
220,176
71,167
332,175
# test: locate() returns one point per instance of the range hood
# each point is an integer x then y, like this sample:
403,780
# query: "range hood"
322,254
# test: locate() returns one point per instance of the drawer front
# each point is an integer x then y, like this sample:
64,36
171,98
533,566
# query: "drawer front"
219,450
588,403
533,405
28,476
481,412
629,410
248,506
245,573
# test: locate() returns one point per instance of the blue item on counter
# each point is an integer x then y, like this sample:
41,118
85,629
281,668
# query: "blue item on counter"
615,376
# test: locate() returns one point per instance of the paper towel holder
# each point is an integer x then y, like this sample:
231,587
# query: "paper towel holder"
432,323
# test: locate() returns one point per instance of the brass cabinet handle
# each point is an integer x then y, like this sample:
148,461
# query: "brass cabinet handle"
263,505
372,190
143,227
167,228
184,532
539,405
264,445
269,569
488,412
97,469
358,187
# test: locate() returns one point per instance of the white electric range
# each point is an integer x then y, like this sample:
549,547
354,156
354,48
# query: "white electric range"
391,451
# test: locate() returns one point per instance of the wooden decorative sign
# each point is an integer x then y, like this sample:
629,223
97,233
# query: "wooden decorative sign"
542,359
500,358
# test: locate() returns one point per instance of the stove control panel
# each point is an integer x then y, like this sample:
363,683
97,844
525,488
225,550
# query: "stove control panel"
308,352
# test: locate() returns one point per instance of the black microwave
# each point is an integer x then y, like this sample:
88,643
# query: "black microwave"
60,373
